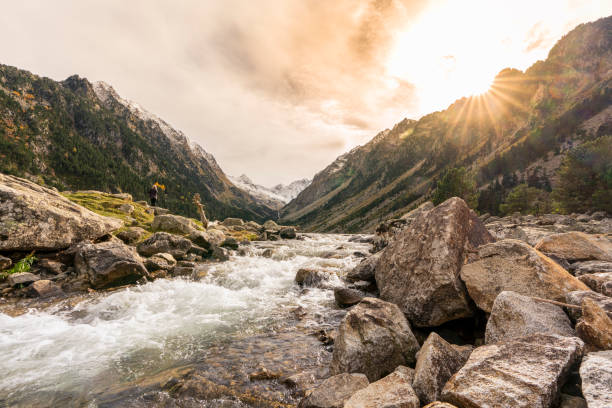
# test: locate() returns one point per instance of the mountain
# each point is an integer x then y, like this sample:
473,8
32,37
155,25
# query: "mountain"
275,197
521,128
77,135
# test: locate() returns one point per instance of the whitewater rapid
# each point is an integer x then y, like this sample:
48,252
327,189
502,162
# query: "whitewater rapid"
120,336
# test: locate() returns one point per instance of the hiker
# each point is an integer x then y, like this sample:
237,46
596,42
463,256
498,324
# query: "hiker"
153,195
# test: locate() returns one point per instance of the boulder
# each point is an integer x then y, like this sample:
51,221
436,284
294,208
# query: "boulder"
51,267
287,233
160,210
439,404
364,271
346,297
423,208
271,225
230,243
392,391
174,245
577,298
595,326
599,282
577,246
126,208
333,392
514,316
173,223
588,267
437,361
310,277
571,401
5,263
45,288
21,278
512,265
131,235
596,376
232,222
419,270
160,261
38,218
108,264
527,372
373,338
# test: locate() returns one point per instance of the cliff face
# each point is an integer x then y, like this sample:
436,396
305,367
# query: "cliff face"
78,135
525,122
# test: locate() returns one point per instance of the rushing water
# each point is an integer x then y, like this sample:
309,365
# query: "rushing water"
70,355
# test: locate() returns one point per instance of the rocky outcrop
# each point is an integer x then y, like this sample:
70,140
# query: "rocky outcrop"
373,338
512,265
174,245
173,223
437,361
107,264
419,270
391,391
514,316
364,271
37,218
599,282
595,326
334,391
522,373
577,246
596,376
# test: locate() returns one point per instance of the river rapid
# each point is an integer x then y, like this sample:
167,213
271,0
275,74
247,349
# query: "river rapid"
227,340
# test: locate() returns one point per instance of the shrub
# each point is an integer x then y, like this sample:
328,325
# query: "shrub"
456,182
526,200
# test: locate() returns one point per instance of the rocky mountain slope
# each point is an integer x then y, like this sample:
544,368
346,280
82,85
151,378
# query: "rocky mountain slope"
78,135
275,197
524,124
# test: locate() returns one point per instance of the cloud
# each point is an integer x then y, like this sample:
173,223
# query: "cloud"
538,37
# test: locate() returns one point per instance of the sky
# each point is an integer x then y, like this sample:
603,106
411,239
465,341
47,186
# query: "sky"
277,89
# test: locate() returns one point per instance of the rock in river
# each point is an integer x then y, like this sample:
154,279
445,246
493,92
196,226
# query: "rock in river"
174,245
419,270
373,338
392,391
522,373
515,266
38,218
334,391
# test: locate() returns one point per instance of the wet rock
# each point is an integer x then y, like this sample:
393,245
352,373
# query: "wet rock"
38,218
262,373
131,235
159,261
287,233
373,338
218,253
419,270
588,267
334,391
232,222
514,316
526,372
392,391
570,401
595,326
44,288
173,223
21,278
346,297
183,271
110,263
437,361
230,243
577,298
596,375
267,253
577,246
174,245
310,277
364,271
512,265
599,282
5,263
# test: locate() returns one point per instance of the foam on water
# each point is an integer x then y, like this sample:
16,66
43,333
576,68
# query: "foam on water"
132,332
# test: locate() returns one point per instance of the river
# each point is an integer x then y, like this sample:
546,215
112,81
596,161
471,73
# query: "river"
132,347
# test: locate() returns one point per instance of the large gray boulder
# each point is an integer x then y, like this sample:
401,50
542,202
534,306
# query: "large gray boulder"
419,270
333,392
373,338
392,391
364,271
514,316
174,245
108,264
174,223
577,246
512,265
37,218
437,361
596,376
521,373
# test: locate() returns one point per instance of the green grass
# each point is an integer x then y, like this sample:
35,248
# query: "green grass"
24,265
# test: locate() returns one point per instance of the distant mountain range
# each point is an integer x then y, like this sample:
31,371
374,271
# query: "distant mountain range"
275,197
523,126
77,135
